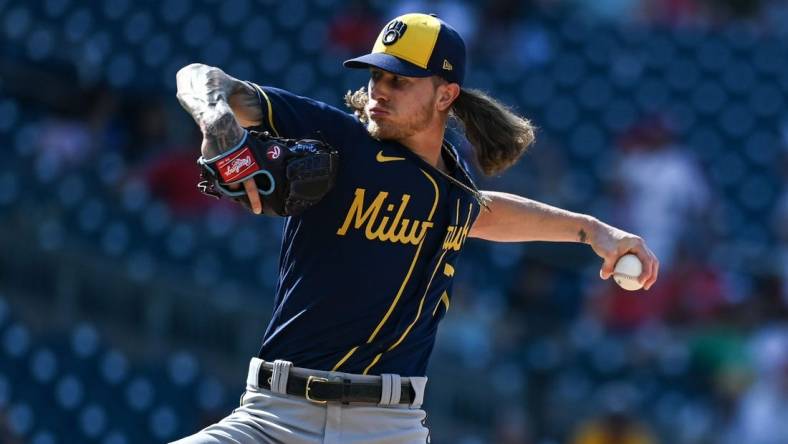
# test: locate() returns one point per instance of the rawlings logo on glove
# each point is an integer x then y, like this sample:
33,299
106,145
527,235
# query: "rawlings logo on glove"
291,175
239,165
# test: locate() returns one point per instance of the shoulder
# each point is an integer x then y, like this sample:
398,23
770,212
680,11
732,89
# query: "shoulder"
292,115
272,93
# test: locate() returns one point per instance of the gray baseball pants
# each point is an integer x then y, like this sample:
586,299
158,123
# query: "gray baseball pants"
271,416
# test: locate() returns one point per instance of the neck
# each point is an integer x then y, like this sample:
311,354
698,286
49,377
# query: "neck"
427,144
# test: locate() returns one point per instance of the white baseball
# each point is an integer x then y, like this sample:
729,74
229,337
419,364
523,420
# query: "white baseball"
626,273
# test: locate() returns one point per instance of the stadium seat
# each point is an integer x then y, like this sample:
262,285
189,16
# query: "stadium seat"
69,392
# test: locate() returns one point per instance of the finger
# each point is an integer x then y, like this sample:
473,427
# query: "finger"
654,274
646,258
648,281
243,200
629,245
254,196
647,261
642,253
645,275
607,267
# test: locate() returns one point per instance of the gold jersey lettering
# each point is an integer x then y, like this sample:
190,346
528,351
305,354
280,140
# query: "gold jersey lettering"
378,223
456,234
455,237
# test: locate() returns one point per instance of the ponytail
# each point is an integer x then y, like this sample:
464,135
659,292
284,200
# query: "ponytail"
499,136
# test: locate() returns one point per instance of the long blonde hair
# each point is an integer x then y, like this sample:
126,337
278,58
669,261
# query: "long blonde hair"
498,135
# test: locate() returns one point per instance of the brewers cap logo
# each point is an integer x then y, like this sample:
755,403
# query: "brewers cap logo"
393,31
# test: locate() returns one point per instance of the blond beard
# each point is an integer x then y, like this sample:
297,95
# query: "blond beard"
391,131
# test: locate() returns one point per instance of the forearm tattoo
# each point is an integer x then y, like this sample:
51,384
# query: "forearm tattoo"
221,132
203,91
582,236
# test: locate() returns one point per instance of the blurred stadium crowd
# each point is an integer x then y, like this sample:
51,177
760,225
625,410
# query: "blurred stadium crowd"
130,303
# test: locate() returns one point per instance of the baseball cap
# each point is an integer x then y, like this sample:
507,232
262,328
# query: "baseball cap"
417,45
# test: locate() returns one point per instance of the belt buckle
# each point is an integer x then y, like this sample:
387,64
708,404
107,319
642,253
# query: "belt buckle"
309,381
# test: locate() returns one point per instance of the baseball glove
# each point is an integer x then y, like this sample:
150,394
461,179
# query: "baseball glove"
291,175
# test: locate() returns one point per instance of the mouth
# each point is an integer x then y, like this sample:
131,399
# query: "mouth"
377,112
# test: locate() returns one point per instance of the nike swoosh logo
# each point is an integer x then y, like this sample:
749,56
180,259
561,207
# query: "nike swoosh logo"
381,158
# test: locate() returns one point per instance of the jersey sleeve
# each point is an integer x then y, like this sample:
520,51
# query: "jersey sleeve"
292,116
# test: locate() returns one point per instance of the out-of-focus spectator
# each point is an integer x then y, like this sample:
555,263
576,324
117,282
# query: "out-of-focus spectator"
150,131
613,429
460,14
609,10
671,12
690,291
353,28
65,142
618,422
774,13
80,133
169,169
666,190
763,409
724,11
511,426
467,333
780,220
172,177
542,174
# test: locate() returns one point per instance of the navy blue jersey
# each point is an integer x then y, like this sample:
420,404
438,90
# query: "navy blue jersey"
365,275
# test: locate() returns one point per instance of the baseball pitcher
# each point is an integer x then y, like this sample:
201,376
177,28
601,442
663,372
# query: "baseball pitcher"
378,207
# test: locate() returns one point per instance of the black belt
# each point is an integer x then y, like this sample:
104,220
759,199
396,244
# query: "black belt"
322,390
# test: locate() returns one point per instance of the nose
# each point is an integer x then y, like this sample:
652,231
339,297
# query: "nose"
377,91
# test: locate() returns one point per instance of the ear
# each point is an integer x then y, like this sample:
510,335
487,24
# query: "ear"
447,93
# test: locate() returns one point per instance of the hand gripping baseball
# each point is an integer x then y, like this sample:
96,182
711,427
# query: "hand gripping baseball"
203,91
611,244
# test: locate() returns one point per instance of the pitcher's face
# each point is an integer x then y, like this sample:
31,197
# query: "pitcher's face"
399,106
